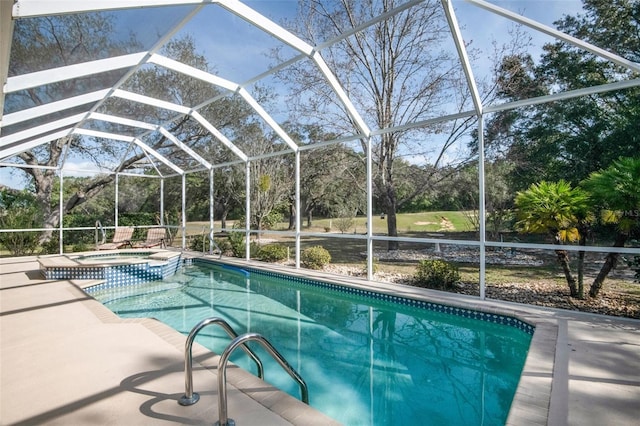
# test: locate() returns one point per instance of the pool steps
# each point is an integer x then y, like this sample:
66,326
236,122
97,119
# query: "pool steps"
190,397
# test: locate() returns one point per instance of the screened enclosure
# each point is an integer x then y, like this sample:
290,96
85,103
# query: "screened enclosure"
257,119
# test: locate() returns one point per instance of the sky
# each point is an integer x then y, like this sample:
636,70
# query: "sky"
244,60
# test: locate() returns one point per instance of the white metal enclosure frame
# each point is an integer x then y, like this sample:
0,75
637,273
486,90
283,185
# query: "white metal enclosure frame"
42,133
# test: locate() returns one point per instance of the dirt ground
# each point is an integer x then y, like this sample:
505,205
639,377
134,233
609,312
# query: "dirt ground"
620,296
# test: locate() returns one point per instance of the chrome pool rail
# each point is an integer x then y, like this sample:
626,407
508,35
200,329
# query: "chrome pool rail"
190,397
222,373
213,246
100,228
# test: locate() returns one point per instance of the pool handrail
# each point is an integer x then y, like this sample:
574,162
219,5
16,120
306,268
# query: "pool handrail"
190,397
100,228
222,373
212,244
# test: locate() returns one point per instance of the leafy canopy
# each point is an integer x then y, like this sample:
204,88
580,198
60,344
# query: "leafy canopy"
552,207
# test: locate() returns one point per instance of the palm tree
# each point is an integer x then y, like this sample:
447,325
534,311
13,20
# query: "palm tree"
616,190
556,209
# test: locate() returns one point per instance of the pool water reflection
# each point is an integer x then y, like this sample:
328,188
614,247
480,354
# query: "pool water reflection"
366,361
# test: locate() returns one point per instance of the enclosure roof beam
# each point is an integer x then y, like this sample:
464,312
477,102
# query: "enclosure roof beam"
258,20
54,75
31,8
226,84
559,35
618,85
454,27
184,147
267,118
103,135
147,149
193,72
38,130
120,120
218,135
8,151
342,95
123,94
52,107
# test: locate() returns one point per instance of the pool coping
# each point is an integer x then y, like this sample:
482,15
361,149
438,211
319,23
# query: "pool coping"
71,260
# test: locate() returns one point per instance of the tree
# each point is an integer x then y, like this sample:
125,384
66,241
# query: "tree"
19,211
228,189
329,182
270,178
397,71
555,209
616,189
572,138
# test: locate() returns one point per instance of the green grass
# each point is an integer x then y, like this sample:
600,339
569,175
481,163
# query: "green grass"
406,223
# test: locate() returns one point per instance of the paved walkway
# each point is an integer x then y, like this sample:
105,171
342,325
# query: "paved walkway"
67,360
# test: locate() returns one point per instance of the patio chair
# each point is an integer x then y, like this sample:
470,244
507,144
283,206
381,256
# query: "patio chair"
121,238
155,237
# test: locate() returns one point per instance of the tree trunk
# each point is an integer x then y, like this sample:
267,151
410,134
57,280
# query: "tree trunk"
583,242
258,222
223,219
309,217
391,207
610,262
392,230
292,216
581,274
563,259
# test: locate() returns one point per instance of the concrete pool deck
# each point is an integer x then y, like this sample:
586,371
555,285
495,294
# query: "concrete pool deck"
66,359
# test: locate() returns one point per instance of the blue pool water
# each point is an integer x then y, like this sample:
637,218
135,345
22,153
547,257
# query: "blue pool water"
366,361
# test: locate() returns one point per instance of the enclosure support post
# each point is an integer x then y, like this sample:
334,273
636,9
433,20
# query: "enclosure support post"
297,209
61,211
117,198
184,211
211,207
369,213
247,208
162,202
481,205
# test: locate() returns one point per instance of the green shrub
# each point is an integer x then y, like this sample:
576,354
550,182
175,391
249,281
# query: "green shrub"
224,245
272,253
376,267
436,274
315,257
344,224
52,246
634,264
78,247
19,210
236,241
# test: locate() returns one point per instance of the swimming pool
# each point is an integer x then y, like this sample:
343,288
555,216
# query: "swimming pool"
368,359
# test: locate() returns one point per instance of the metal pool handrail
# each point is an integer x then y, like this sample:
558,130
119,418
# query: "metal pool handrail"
212,244
222,373
104,234
190,397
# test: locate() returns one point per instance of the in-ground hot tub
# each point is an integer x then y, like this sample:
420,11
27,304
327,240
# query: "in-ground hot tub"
115,267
